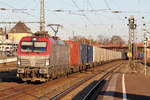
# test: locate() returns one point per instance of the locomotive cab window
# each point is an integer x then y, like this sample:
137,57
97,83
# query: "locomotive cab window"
26,46
33,46
40,46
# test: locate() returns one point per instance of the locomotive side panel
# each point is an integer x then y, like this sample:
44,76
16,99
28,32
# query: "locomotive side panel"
59,60
59,55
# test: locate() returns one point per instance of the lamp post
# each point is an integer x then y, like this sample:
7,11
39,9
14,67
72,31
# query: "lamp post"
145,50
145,45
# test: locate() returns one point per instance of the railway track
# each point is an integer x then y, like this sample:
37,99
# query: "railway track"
20,90
100,81
8,66
63,95
9,92
50,89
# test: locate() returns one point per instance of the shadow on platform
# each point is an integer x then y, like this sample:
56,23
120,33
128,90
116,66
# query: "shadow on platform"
8,76
120,95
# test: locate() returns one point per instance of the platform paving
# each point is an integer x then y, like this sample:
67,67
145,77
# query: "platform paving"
8,59
126,86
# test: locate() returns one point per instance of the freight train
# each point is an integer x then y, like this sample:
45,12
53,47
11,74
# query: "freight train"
43,58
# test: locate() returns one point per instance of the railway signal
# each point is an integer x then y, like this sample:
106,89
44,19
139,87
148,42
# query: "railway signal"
132,42
129,54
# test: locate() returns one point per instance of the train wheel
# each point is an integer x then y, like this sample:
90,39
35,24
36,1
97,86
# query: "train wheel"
71,70
53,75
80,69
58,74
66,73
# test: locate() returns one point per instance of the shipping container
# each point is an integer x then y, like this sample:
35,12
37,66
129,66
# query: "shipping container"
90,54
96,54
101,55
124,56
74,53
140,55
105,55
83,54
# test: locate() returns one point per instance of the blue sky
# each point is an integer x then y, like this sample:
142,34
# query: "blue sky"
93,24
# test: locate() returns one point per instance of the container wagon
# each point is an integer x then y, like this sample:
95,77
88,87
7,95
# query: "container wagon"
81,56
43,58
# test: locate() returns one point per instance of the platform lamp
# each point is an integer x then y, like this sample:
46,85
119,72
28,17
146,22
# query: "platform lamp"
145,45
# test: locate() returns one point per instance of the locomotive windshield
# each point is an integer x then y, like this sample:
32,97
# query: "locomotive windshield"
33,46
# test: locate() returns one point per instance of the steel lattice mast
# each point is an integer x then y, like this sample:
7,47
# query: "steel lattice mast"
132,42
42,16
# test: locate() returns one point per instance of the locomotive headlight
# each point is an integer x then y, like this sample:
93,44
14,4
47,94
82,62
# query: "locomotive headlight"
19,62
34,39
20,70
47,62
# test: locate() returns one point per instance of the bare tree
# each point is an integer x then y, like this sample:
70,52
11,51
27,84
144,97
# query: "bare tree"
103,39
117,40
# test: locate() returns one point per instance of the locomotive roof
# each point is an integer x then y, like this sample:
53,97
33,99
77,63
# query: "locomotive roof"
28,38
60,42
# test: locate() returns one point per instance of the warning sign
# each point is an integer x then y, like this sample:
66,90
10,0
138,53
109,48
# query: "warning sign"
129,54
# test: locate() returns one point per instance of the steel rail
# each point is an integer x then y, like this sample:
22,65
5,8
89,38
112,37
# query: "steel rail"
91,92
17,92
65,92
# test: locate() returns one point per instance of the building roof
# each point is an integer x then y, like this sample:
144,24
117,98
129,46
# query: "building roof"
20,27
2,31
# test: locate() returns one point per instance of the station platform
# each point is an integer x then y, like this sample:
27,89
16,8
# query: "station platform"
126,86
8,64
8,59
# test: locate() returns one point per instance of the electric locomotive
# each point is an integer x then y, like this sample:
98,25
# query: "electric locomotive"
42,58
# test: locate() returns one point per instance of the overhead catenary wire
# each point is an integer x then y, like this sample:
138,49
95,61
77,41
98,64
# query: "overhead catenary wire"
13,9
90,4
92,7
83,13
106,3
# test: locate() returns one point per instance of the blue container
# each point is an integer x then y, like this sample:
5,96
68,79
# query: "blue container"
90,54
141,55
83,54
124,56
